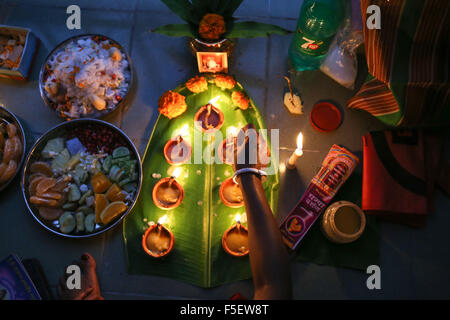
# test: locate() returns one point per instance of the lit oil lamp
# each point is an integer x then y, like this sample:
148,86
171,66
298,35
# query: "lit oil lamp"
231,194
297,153
178,150
226,148
158,241
168,193
235,239
209,118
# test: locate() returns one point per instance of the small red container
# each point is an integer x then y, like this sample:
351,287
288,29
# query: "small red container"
325,117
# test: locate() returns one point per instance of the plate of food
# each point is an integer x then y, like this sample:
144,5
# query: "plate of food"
12,150
86,76
82,178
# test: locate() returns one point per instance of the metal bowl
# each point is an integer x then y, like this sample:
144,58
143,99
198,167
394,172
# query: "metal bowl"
10,117
96,114
61,130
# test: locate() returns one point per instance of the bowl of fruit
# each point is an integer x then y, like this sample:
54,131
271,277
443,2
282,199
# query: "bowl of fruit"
12,147
82,178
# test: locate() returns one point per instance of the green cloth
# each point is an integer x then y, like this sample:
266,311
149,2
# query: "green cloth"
356,255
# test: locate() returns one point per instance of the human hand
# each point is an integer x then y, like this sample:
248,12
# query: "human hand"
250,149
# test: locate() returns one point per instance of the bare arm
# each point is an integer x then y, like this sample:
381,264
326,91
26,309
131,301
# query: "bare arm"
268,254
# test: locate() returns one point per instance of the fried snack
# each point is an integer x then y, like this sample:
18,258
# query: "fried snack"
9,172
224,81
172,104
11,130
48,213
212,26
197,84
17,148
9,150
240,99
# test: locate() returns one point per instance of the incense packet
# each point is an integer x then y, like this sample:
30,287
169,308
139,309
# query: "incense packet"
337,166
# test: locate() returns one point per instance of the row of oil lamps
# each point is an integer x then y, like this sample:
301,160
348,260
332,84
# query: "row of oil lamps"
158,240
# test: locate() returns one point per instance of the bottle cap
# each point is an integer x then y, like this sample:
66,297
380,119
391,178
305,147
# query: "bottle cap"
325,117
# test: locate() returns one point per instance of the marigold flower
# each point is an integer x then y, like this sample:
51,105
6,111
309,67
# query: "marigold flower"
172,104
197,84
224,81
212,26
240,99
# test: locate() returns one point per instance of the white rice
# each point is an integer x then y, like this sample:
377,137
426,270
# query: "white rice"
83,73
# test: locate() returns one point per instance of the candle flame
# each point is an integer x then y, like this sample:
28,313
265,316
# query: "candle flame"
214,100
184,131
163,219
237,218
176,172
300,142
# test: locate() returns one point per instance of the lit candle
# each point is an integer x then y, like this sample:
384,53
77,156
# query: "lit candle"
235,239
167,192
297,153
158,241
178,150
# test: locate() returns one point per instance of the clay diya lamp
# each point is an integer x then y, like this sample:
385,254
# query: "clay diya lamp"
208,118
231,194
226,148
168,193
177,151
158,241
235,239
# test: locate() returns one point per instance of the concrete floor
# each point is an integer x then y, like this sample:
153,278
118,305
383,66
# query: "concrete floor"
414,263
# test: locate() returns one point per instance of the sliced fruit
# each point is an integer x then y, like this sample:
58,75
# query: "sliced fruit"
74,193
61,184
8,150
3,167
53,147
67,223
41,167
59,162
79,218
84,196
100,183
35,175
33,184
121,152
39,201
9,172
18,149
100,204
112,211
89,222
51,195
44,185
11,130
72,162
114,192
48,213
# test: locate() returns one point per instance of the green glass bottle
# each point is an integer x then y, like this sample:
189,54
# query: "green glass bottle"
318,22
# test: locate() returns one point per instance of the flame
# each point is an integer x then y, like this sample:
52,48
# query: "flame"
237,218
176,173
300,142
163,219
232,131
214,100
184,131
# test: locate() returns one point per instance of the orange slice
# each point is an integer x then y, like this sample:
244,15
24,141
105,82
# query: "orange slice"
33,184
60,185
47,213
44,202
44,185
113,193
42,167
100,183
112,211
51,195
100,204
9,172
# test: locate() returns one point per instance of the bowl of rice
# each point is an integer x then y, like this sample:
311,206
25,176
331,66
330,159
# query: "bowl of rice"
86,76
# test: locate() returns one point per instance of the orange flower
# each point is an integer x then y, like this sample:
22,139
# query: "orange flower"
172,104
197,84
224,81
240,99
212,26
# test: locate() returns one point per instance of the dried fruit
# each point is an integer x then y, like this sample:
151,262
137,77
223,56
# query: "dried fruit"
48,213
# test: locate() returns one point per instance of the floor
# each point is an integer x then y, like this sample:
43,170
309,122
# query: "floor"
414,263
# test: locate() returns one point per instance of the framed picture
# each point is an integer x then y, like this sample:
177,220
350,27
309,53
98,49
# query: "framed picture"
212,62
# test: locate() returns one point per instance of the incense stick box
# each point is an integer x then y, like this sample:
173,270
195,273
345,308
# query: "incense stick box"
337,166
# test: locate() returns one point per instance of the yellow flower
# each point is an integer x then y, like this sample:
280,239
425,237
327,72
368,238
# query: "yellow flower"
197,84
172,104
212,26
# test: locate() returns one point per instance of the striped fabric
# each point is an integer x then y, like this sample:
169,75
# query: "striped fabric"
408,61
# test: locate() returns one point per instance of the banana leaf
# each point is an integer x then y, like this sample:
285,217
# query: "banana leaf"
184,9
250,29
200,221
